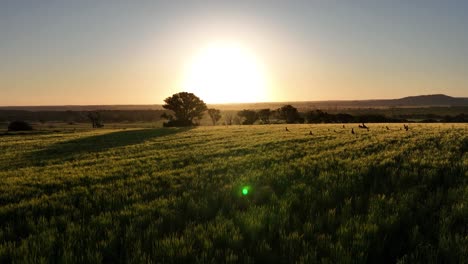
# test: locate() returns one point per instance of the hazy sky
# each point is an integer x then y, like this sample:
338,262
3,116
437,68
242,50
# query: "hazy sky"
137,52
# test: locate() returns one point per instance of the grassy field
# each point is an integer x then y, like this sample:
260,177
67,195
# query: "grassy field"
78,127
236,194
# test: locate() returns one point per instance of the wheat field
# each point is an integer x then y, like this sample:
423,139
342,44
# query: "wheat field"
313,194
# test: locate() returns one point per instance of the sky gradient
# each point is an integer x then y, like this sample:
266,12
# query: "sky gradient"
135,52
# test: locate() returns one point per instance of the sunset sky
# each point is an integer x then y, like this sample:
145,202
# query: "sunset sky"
140,52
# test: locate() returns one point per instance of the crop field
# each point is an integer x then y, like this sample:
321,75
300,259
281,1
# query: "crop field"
237,194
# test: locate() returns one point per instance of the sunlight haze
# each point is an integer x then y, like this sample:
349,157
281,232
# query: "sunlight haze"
227,73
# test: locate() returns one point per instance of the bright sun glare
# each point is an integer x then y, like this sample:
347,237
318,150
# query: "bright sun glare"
226,73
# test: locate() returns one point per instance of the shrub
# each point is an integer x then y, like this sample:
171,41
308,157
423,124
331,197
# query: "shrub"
19,126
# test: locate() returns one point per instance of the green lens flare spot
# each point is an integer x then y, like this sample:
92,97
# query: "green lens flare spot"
245,190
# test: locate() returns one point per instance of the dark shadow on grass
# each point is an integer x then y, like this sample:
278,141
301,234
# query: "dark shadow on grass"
71,150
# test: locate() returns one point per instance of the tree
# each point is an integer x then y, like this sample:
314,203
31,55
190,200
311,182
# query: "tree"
289,113
95,118
236,120
19,126
264,115
187,107
318,116
228,117
215,115
248,116
166,116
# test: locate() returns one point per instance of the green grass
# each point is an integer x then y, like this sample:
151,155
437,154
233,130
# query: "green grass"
236,194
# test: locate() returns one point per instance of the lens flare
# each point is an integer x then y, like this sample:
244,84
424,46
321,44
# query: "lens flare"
245,190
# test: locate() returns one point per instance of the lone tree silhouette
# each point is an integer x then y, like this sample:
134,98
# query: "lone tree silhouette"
95,118
215,115
228,117
186,108
19,126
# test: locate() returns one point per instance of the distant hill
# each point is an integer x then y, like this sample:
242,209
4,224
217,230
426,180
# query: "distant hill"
440,100
430,100
411,101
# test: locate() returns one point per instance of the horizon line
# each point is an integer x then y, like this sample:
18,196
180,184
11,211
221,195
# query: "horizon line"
238,103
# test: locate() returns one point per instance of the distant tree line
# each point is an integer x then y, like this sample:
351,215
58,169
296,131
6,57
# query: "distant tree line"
290,115
318,116
106,116
460,118
246,117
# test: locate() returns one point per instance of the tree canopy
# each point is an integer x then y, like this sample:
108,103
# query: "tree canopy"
249,116
215,115
264,115
289,113
19,126
186,107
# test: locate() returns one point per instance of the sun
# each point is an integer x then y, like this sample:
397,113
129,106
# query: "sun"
226,73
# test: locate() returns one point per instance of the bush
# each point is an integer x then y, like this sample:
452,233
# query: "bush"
19,126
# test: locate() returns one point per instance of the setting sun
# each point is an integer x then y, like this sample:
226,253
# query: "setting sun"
226,73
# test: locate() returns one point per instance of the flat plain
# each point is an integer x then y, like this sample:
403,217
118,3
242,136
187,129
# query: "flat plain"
315,193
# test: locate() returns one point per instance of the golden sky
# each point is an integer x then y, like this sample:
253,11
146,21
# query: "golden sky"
112,52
